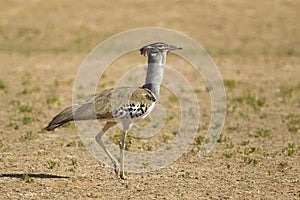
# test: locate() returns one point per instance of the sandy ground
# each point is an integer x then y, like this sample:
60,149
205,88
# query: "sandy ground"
256,48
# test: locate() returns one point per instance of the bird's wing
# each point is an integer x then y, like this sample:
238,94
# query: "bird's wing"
111,103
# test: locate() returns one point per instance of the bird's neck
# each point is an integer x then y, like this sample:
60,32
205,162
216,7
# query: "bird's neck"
155,72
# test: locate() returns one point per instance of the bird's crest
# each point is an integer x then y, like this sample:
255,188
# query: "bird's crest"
156,47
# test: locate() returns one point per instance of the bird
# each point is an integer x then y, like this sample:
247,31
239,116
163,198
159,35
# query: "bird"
124,105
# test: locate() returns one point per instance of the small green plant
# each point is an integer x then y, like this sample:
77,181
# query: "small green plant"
175,132
244,143
127,145
222,139
173,98
80,144
13,125
28,136
27,119
52,164
231,107
26,79
293,122
199,140
145,164
68,125
30,90
202,127
230,84
22,107
194,150
129,141
25,107
169,117
233,104
15,103
263,116
235,127
297,88
253,101
260,132
249,150
27,178
249,99
228,154
74,162
114,138
291,149
148,147
1,144
197,91
284,166
78,40
285,93
261,101
249,160
187,174
51,99
243,115
71,169
165,138
229,145
2,85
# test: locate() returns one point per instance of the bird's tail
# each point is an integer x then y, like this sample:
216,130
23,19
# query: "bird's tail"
63,117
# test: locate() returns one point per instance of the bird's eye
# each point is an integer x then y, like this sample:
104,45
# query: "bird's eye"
153,53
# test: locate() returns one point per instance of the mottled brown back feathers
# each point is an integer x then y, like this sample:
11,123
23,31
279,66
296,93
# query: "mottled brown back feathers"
103,105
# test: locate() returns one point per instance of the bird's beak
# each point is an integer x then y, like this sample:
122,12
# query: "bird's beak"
172,48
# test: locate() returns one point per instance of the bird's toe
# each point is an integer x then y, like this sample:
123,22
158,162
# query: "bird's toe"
122,176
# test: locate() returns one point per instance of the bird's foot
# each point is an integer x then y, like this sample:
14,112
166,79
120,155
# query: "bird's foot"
122,175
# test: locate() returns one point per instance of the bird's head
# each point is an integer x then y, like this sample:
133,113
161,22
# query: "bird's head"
157,49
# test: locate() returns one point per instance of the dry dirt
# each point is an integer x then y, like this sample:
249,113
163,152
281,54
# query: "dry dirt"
256,46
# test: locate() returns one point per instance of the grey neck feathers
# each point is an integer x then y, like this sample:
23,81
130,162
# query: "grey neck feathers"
155,72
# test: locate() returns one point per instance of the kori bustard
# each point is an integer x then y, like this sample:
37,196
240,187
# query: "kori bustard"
121,105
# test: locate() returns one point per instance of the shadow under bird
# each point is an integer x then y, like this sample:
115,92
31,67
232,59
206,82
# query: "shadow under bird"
121,105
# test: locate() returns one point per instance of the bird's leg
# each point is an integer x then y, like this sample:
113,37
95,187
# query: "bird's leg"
126,126
122,148
98,138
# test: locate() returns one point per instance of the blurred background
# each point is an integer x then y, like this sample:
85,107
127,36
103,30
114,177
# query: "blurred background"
222,27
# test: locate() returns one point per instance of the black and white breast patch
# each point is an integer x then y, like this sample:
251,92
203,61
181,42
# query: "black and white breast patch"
132,111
